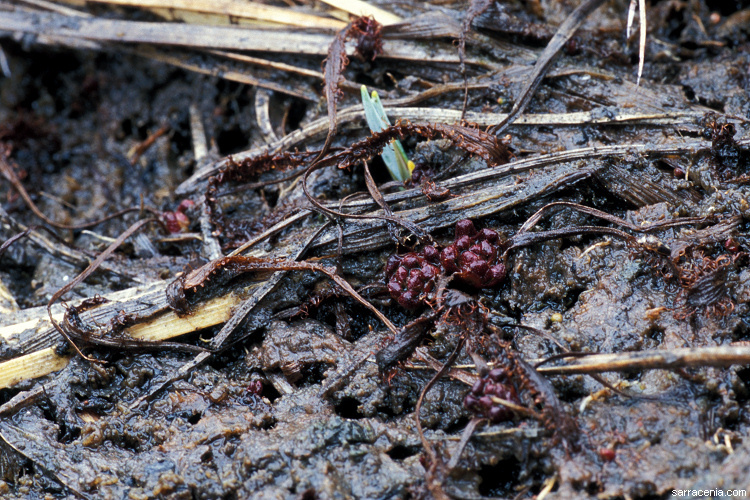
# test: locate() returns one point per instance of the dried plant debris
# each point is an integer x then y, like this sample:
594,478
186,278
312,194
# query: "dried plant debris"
558,310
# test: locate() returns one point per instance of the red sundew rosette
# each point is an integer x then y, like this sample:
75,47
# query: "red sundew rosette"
412,277
495,384
474,256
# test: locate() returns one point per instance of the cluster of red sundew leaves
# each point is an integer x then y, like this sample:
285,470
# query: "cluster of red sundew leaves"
474,257
495,384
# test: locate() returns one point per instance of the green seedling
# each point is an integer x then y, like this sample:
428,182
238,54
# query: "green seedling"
399,165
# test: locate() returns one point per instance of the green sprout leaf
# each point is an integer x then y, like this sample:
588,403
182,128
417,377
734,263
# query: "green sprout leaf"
399,165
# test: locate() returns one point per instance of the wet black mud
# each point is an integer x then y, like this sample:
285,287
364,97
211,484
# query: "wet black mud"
260,420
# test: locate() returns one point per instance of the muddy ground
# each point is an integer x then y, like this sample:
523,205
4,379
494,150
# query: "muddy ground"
254,421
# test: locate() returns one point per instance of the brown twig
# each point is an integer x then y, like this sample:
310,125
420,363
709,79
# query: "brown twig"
85,274
669,359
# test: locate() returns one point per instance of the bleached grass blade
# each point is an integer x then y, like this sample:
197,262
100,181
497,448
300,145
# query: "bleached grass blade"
642,41
631,16
237,9
360,8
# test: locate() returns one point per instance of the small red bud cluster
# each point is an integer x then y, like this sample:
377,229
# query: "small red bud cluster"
177,221
732,245
255,387
494,384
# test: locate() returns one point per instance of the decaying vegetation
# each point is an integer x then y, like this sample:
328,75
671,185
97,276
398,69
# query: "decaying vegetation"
232,299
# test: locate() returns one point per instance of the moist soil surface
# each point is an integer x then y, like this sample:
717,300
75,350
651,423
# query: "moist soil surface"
315,397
